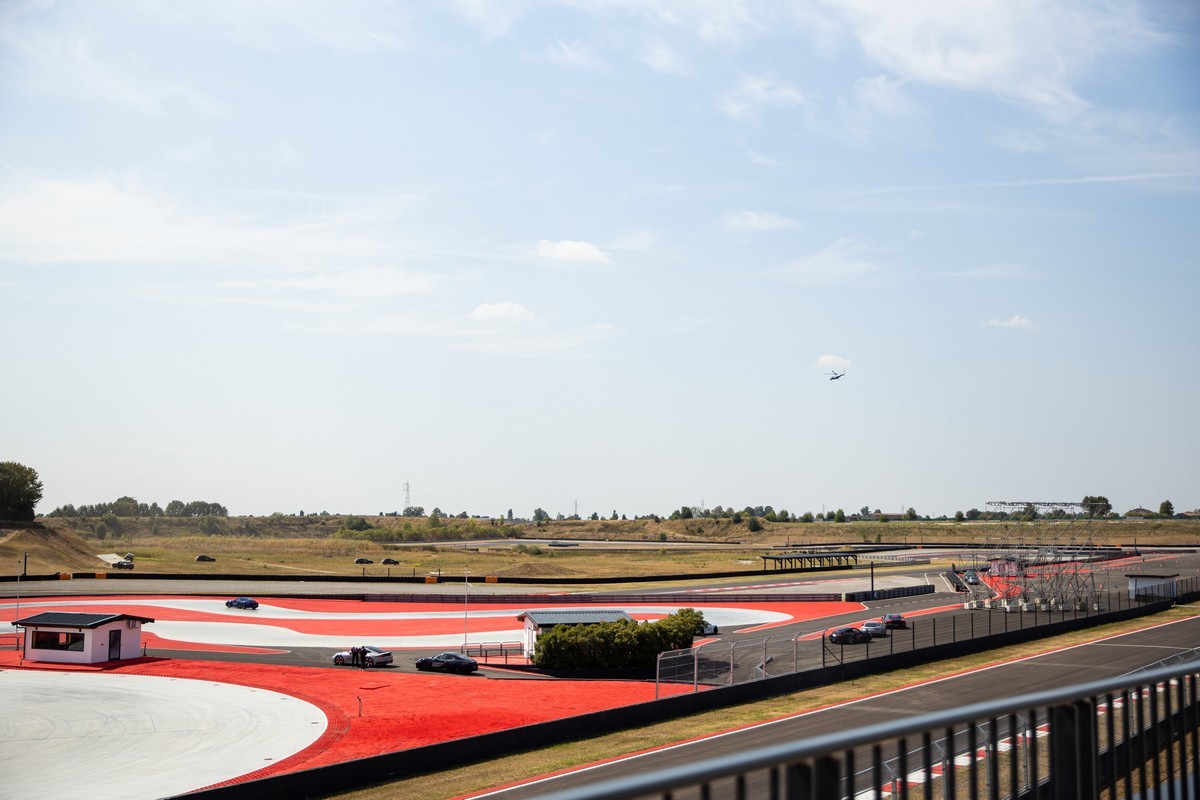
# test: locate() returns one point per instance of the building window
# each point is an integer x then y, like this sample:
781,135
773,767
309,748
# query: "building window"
54,640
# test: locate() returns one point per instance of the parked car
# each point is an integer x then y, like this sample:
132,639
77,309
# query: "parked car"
242,602
894,621
448,662
205,558
375,657
707,629
123,564
389,561
363,561
848,635
876,628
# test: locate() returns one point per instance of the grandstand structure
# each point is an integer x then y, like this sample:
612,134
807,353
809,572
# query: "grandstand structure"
1036,567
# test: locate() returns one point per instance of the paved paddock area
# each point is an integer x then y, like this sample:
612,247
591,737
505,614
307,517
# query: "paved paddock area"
87,735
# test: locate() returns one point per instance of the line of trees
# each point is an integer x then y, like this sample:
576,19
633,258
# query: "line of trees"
129,507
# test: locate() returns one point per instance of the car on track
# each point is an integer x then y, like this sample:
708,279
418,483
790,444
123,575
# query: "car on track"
448,662
203,557
242,602
375,656
363,561
876,628
389,561
849,635
894,621
123,564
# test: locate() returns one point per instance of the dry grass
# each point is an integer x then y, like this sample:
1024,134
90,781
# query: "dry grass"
284,544
523,766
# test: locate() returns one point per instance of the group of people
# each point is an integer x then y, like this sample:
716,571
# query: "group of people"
358,657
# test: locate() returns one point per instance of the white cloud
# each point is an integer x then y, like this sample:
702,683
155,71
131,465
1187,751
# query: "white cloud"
493,17
286,153
71,64
1015,321
877,103
573,55
840,262
568,250
46,220
663,58
349,26
755,94
505,312
1028,51
830,361
756,221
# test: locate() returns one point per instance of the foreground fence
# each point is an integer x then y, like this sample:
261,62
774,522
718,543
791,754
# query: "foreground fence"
728,662
1130,737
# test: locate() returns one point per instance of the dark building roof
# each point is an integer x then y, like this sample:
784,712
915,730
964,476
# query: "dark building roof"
548,619
72,619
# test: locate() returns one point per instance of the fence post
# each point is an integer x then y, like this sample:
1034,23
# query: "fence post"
732,648
696,669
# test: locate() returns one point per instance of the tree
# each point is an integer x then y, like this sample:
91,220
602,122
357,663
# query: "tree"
540,516
910,514
1096,506
958,516
753,525
1166,508
840,516
865,511
20,491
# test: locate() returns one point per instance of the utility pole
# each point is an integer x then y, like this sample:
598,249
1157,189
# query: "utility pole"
407,497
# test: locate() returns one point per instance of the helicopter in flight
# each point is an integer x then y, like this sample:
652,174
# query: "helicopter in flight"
837,374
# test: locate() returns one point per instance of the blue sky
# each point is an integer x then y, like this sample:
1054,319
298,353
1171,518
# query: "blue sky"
523,254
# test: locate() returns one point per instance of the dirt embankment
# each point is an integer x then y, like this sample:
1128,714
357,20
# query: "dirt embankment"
43,550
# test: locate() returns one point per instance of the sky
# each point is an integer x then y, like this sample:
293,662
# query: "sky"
601,255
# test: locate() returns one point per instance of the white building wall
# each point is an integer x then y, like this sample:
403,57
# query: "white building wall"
95,644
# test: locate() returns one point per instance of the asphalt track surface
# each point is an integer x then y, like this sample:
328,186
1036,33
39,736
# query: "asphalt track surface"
1093,661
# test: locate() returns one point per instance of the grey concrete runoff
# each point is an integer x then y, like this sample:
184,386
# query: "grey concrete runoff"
82,736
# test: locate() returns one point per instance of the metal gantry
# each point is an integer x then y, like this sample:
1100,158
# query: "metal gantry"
1044,567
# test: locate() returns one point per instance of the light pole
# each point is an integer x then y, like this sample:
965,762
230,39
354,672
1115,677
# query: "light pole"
466,604
17,636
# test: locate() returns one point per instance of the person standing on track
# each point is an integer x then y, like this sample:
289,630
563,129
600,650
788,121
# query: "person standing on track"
354,656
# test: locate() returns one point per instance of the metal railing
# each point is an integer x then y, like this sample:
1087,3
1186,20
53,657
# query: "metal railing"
1132,736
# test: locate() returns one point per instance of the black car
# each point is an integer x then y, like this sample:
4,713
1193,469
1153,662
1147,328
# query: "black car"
242,602
205,558
448,662
363,561
893,621
123,564
849,635
389,561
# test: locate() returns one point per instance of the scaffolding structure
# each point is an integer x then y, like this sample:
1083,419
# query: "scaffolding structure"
1042,567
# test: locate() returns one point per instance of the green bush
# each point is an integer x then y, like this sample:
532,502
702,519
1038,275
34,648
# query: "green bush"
614,645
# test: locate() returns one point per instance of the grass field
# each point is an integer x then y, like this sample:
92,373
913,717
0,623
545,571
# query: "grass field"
322,544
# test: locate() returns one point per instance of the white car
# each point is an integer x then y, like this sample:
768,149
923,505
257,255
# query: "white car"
375,657
876,628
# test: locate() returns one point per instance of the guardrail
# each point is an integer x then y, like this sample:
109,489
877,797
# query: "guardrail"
1133,736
